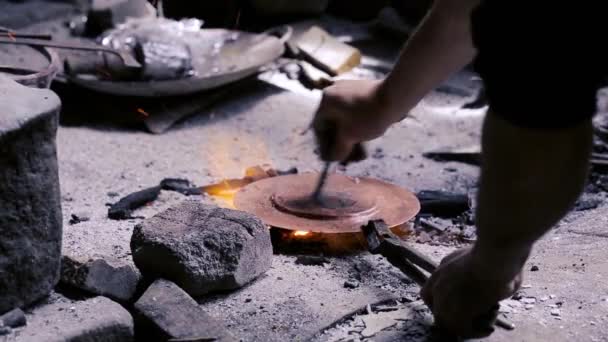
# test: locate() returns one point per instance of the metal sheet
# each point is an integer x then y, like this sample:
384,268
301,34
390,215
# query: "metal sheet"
283,202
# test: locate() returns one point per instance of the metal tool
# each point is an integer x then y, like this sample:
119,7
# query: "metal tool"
14,35
382,241
128,60
317,194
357,154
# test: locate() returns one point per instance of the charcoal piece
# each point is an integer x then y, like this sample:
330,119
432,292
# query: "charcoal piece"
79,217
466,157
443,204
113,278
30,202
123,209
167,311
183,186
202,248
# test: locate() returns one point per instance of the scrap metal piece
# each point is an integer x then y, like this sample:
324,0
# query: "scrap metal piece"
328,53
126,58
363,199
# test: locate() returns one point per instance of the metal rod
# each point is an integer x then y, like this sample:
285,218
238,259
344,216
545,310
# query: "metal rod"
126,58
321,183
13,35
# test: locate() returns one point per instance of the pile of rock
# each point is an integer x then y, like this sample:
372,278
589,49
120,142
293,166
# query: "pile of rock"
189,250
195,249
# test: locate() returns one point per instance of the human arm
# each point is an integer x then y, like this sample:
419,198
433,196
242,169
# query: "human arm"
363,110
530,178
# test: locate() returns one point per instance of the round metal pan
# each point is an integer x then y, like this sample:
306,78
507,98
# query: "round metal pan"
241,55
278,202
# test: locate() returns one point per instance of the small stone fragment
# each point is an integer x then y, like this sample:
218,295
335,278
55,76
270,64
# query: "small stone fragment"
526,286
424,237
351,284
92,320
14,318
101,276
202,248
556,312
552,296
5,330
172,314
528,300
529,306
544,298
534,268
378,153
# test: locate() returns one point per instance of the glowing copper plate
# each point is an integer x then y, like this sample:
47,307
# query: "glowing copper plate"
348,203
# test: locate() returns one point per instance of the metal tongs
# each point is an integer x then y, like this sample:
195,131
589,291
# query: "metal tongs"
382,241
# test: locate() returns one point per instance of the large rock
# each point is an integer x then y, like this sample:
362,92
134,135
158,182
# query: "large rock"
101,276
30,214
202,248
94,320
170,313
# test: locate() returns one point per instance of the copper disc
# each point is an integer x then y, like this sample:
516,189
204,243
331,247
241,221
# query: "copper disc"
347,203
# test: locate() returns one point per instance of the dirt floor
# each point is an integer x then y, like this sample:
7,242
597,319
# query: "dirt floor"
100,163
295,302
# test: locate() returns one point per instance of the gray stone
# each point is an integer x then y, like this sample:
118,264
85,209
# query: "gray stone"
101,276
14,318
30,218
202,248
97,319
172,313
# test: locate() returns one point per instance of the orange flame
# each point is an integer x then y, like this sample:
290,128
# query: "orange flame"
142,112
301,233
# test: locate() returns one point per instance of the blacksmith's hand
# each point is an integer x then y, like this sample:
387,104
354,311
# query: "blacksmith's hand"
465,303
350,112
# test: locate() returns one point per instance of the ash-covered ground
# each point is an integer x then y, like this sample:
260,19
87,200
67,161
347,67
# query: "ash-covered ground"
295,302
563,299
